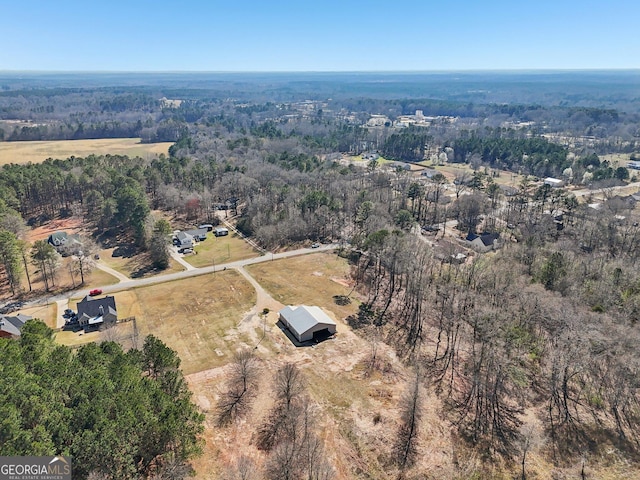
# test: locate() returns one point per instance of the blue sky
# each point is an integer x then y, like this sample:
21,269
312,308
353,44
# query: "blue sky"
328,35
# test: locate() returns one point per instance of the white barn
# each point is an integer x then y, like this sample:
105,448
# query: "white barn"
554,182
306,322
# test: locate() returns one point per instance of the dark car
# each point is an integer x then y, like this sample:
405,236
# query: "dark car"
11,307
95,292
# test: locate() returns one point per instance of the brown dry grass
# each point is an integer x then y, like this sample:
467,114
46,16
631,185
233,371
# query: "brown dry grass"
192,316
137,265
450,171
47,313
307,280
35,152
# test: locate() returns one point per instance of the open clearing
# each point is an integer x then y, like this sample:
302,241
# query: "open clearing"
193,316
134,264
220,250
450,170
47,313
307,280
35,152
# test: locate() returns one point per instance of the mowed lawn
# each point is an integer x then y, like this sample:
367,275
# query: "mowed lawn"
313,279
47,313
35,152
136,266
193,316
220,250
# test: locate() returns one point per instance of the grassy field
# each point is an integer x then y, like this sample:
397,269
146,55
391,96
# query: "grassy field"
136,266
221,250
23,152
193,316
46,313
450,171
309,279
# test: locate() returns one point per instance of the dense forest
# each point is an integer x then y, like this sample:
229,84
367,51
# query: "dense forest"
117,414
531,347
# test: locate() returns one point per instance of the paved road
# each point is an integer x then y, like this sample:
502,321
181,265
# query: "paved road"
585,191
131,283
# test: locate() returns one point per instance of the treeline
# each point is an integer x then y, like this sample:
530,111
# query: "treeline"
534,156
546,327
55,401
409,145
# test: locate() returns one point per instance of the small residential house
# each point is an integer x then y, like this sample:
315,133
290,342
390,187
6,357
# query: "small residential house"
307,323
183,240
485,242
62,240
430,173
200,234
11,325
95,312
221,232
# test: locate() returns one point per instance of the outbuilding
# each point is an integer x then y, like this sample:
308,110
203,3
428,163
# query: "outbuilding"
554,182
221,232
307,323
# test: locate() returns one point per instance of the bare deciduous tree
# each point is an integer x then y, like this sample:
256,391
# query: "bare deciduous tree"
405,449
240,388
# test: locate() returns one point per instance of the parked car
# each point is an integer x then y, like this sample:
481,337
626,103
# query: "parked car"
187,250
315,245
11,307
94,292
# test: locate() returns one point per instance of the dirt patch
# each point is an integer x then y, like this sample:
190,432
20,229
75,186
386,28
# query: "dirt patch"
71,225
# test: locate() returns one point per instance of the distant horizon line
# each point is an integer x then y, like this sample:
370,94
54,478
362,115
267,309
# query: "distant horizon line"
435,71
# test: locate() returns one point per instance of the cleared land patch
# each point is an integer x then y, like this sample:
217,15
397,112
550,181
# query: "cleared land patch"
133,264
39,151
219,250
314,279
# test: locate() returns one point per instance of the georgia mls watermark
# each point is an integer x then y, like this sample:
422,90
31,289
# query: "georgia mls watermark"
35,468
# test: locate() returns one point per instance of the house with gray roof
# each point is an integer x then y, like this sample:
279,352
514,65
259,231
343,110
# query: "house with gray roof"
484,242
63,242
183,240
93,313
199,234
11,325
307,323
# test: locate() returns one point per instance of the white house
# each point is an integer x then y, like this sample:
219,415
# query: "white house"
485,242
184,240
307,323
